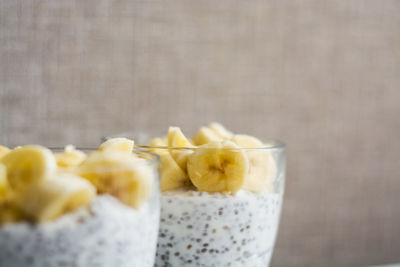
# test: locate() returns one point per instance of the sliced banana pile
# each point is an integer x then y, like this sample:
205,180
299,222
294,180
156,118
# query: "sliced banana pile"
70,158
214,160
37,185
33,189
119,174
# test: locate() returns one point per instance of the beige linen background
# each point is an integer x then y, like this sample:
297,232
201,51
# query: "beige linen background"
324,76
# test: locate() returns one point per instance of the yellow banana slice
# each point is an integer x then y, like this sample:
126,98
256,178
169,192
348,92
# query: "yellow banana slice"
119,174
4,187
177,139
159,141
206,135
220,130
10,213
262,169
218,167
171,175
70,158
246,141
52,198
3,151
121,144
27,165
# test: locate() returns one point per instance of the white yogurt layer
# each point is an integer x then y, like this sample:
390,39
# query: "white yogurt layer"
202,229
108,233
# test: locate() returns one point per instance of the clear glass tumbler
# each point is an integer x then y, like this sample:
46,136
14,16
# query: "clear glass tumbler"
218,229
105,233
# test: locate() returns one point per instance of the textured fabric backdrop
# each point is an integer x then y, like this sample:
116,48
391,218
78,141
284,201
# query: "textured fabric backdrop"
324,76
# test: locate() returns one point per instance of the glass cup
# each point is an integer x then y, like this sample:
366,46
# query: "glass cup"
107,233
216,229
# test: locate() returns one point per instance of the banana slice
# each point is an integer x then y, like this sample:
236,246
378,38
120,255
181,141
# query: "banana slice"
28,165
246,141
121,144
70,158
10,213
171,175
205,135
177,139
4,187
52,198
218,167
220,130
119,174
3,151
159,141
262,170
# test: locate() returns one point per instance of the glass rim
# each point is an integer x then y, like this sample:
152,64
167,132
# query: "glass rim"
272,144
62,148
155,159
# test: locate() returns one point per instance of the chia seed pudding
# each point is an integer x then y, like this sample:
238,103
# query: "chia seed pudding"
203,229
95,210
106,234
221,197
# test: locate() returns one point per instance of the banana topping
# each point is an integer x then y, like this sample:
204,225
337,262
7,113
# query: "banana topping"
3,182
118,174
70,158
218,167
121,144
176,139
40,186
3,151
49,199
220,130
28,165
171,174
215,160
211,133
10,212
206,135
262,168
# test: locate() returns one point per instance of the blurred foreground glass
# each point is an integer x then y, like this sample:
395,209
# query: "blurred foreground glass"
214,229
108,233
